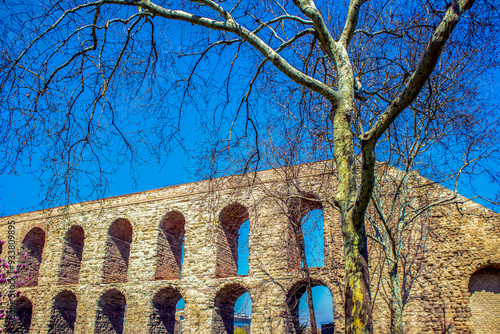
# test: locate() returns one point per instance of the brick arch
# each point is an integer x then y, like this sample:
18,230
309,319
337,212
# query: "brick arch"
293,297
231,218
169,246
476,265
63,314
301,205
72,255
33,226
224,301
164,305
483,262
110,313
484,302
117,251
30,257
18,318
297,209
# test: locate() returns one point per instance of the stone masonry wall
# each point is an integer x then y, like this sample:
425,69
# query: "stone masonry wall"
113,265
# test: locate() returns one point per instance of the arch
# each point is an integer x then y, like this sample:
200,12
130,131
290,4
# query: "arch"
314,241
231,218
303,229
170,242
243,312
225,299
293,300
110,313
69,270
30,257
18,318
117,251
63,315
244,248
162,320
484,287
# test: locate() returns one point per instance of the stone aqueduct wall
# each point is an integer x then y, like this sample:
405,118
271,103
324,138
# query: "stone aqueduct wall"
96,263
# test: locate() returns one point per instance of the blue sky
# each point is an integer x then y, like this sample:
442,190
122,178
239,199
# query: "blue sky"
22,192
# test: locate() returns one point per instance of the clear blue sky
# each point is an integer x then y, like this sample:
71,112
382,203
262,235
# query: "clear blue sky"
22,192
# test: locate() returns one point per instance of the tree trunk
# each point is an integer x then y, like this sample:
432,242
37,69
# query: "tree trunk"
396,302
310,305
352,204
358,308
305,269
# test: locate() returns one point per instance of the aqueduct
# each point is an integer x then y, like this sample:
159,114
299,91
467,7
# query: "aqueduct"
120,265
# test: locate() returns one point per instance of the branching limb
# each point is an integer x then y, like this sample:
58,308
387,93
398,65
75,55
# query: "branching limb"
424,69
351,21
230,25
308,8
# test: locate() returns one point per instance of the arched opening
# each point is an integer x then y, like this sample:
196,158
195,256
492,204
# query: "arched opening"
243,248
63,315
305,240
111,313
231,218
299,319
224,308
243,313
30,257
72,256
484,287
117,251
312,230
323,308
18,318
170,246
179,316
163,319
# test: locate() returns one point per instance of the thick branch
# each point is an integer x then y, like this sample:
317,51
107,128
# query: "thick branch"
308,8
230,25
424,69
350,22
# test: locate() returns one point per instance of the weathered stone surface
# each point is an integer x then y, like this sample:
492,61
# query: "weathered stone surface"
119,259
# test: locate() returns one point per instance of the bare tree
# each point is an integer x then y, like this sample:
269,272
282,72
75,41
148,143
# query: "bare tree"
402,198
87,86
